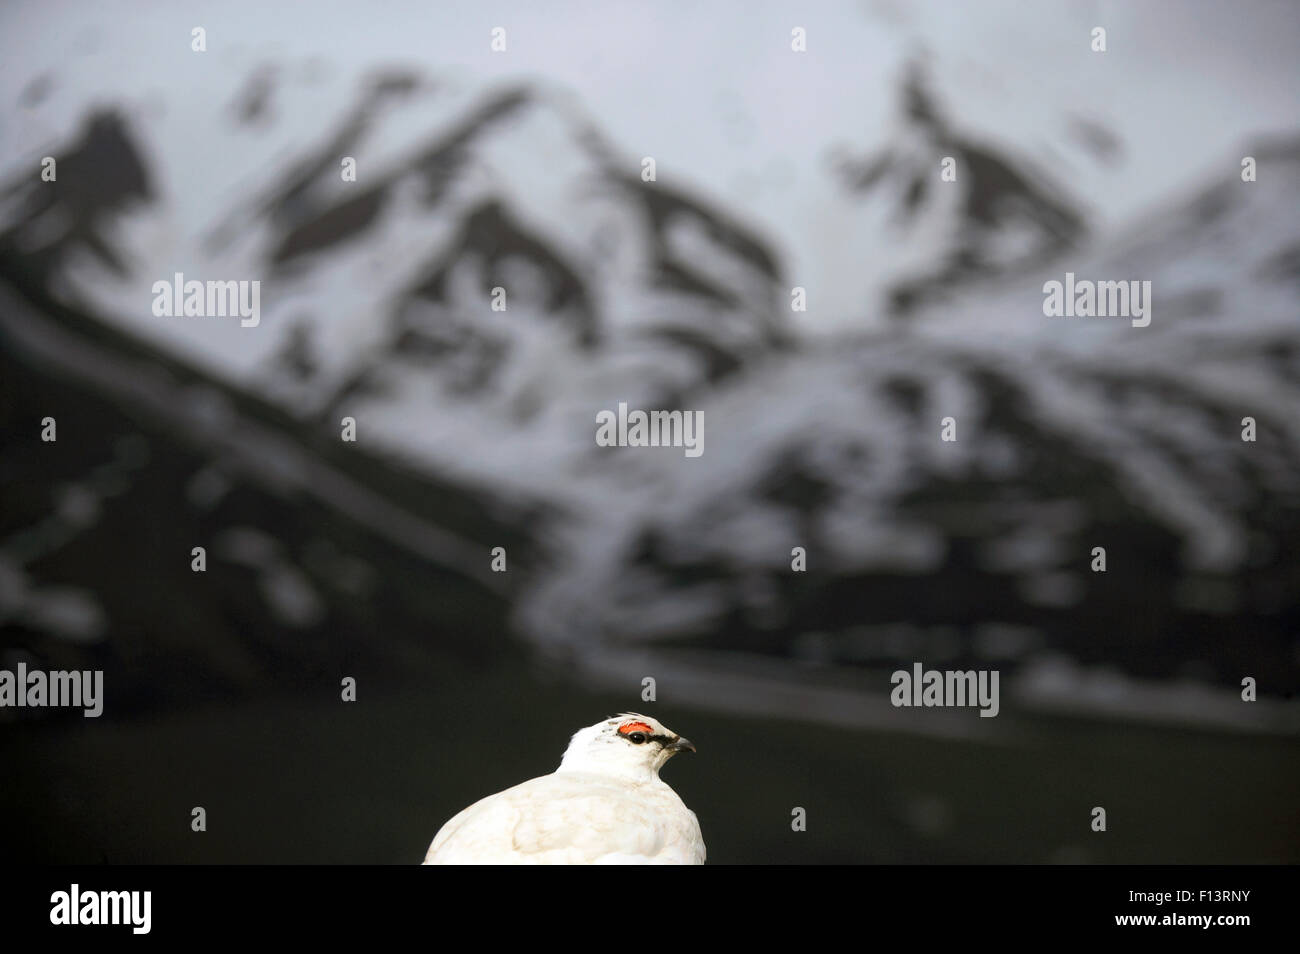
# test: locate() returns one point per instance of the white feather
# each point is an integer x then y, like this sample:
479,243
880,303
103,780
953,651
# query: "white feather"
605,804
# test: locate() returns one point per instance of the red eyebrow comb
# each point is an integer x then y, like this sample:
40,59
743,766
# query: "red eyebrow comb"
627,727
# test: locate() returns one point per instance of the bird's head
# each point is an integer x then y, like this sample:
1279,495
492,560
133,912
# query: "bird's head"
630,745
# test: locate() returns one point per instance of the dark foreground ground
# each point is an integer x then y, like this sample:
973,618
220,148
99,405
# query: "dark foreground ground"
300,781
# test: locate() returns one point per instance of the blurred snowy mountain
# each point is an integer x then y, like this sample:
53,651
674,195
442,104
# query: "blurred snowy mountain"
476,426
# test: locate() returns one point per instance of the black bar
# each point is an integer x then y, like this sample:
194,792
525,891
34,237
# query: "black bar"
329,904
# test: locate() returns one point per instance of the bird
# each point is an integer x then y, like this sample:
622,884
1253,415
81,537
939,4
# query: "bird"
604,805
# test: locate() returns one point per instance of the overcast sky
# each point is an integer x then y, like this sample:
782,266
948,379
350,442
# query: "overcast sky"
714,89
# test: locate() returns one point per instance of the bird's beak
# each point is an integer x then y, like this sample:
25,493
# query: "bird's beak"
681,745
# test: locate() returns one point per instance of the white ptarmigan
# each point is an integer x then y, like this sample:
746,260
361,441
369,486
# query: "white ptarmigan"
604,805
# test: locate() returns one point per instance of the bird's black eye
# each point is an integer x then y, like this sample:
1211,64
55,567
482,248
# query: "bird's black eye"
637,737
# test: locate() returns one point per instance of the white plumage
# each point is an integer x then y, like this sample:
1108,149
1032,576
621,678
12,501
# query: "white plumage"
605,804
